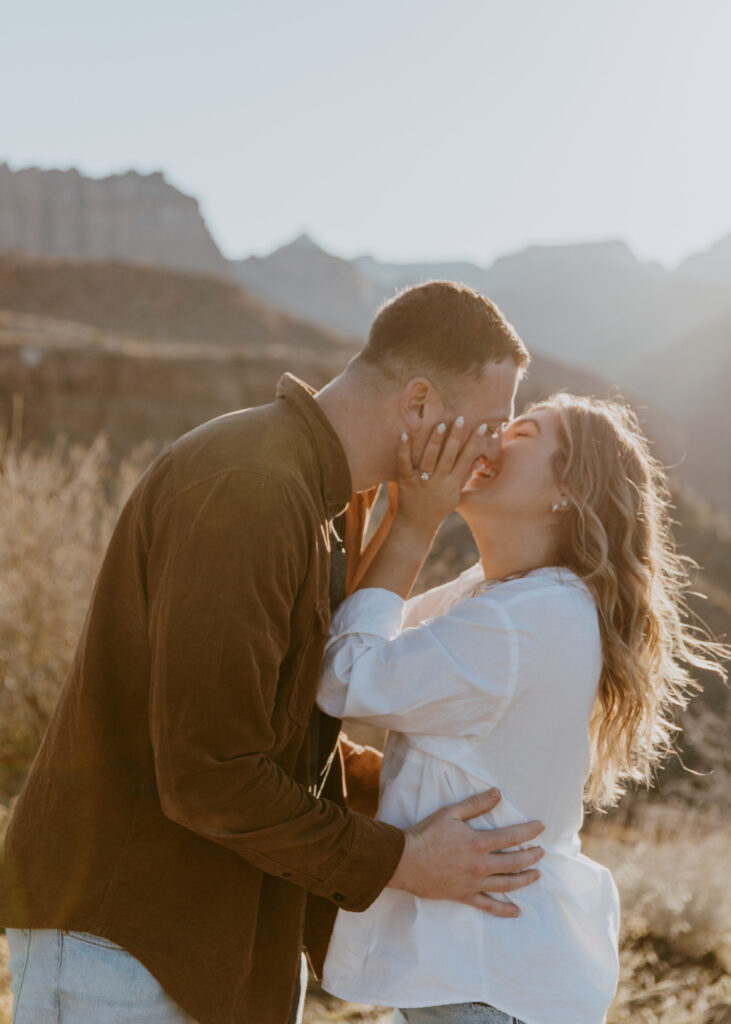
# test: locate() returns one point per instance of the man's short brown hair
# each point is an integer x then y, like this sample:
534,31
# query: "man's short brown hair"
441,330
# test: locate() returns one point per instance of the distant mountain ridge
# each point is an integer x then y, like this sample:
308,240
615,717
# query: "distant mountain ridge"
303,279
591,304
594,304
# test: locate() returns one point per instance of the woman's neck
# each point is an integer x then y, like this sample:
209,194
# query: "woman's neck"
513,551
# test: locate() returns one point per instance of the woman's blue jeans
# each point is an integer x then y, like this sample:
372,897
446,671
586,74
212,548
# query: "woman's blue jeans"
453,1013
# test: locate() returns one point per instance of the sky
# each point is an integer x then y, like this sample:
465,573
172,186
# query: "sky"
407,129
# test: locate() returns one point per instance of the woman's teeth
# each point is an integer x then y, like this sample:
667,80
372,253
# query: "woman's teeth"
486,470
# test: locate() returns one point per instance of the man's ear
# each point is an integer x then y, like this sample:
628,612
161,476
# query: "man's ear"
417,397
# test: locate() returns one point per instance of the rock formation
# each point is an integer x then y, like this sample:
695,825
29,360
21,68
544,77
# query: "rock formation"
139,218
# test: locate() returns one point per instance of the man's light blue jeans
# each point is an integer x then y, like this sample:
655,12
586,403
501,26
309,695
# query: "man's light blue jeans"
73,977
77,978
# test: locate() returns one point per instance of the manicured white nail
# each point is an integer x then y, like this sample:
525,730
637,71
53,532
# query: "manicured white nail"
459,422
441,428
404,436
483,429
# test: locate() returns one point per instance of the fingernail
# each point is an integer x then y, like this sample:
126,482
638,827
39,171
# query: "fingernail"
483,429
441,428
459,422
404,436
493,792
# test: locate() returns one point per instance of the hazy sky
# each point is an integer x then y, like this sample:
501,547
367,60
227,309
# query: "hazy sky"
411,129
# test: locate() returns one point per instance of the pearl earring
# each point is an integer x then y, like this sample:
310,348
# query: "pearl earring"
563,503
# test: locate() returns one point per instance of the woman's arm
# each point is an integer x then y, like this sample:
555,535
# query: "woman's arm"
453,675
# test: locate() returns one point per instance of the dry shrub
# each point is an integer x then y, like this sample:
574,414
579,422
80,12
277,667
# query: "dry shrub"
59,508
675,889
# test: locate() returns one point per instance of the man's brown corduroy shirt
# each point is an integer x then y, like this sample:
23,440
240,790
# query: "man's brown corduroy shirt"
168,807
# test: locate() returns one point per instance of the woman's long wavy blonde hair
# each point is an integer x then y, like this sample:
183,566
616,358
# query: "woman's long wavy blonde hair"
615,534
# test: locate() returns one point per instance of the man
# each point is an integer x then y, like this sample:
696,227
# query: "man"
174,823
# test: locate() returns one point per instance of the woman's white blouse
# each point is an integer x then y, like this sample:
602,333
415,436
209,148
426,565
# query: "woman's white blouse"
480,685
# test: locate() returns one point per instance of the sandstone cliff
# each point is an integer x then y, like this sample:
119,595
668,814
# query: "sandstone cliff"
135,217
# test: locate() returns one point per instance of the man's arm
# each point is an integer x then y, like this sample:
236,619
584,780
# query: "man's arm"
225,569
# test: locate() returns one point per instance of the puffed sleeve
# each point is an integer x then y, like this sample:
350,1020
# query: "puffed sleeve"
450,675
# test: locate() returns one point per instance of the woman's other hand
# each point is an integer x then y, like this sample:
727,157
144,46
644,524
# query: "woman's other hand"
427,494
430,491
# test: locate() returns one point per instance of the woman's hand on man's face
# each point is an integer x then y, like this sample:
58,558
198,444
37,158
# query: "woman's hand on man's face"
430,491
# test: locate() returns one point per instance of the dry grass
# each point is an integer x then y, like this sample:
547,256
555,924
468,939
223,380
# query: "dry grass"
59,508
673,878
322,1008
6,999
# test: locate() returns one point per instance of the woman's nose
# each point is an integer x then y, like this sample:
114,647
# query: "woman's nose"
493,448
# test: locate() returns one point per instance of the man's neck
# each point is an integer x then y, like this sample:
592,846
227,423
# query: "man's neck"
359,423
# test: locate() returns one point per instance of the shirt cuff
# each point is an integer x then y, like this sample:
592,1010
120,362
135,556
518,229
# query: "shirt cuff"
368,867
372,610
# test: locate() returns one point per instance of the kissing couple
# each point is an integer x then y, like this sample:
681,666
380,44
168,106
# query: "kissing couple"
195,819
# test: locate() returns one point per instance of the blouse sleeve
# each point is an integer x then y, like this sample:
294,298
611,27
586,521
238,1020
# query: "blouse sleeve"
450,675
438,599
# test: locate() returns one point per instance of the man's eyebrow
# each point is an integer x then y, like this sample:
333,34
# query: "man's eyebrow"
527,419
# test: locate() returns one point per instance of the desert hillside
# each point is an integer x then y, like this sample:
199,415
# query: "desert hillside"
153,302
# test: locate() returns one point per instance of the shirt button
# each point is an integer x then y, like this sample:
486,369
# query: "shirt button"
338,897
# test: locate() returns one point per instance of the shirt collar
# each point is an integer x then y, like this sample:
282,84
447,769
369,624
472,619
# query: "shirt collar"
335,471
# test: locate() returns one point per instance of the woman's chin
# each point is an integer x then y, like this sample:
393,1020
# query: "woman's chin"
468,500
476,485
477,502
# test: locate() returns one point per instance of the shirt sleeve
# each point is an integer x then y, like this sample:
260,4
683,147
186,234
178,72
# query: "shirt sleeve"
222,580
453,675
437,600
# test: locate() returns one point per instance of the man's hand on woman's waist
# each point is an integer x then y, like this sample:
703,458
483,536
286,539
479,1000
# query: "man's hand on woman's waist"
446,859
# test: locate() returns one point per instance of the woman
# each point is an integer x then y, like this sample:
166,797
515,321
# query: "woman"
548,669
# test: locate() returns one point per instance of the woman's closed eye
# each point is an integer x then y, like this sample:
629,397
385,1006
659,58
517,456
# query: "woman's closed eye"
523,428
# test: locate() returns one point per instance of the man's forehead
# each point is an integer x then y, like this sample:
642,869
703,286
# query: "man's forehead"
499,375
